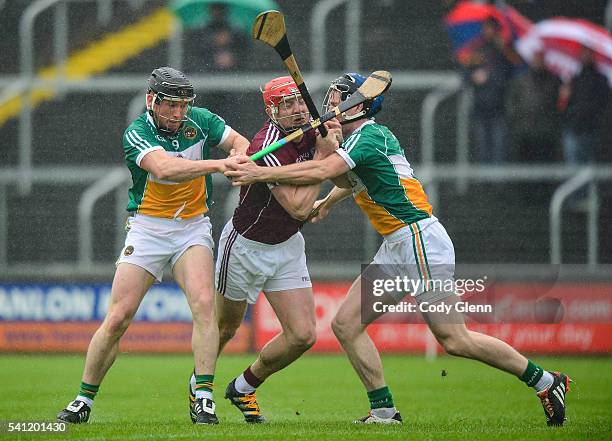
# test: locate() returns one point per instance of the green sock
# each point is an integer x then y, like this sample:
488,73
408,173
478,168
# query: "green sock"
88,390
532,374
204,383
380,398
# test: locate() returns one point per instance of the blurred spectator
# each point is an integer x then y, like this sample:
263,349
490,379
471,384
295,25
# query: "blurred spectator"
532,112
584,101
490,69
218,46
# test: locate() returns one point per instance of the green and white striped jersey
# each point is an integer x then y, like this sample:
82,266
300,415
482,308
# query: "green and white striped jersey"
384,185
155,197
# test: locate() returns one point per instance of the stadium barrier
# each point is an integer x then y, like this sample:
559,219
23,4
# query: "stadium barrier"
584,328
62,318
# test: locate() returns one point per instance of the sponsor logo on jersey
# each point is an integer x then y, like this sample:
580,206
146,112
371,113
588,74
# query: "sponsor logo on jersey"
128,250
306,156
190,132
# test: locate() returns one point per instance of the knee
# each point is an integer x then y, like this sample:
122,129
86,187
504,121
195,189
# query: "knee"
203,306
343,329
227,331
458,345
302,340
117,322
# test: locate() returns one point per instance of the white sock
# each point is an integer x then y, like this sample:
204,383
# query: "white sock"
242,386
192,383
545,382
384,412
204,394
85,400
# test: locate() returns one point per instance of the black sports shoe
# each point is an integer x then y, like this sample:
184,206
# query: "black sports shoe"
204,410
370,418
76,412
246,403
553,399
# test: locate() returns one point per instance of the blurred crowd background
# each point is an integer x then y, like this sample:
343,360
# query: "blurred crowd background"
497,105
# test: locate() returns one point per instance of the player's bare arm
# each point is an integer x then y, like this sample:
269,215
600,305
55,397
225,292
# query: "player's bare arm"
234,144
322,207
297,200
310,172
170,168
325,146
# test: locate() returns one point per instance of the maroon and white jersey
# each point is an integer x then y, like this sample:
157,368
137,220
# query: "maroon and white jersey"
259,216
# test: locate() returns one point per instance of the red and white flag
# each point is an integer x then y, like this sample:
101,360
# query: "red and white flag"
561,41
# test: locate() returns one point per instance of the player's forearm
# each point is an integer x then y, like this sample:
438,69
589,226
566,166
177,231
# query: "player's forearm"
240,144
304,197
180,170
236,142
338,194
304,173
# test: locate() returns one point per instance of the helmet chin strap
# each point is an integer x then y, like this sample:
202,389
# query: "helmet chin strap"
156,119
347,119
351,118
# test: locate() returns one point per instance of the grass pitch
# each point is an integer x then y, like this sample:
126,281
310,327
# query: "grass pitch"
316,398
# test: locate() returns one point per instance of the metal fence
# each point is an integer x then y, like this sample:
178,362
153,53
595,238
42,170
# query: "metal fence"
98,182
101,181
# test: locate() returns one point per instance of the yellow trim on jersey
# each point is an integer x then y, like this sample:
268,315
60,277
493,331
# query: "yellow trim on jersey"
381,219
416,195
184,200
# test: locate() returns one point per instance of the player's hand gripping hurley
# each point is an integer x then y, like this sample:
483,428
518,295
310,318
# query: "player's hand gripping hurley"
269,27
376,84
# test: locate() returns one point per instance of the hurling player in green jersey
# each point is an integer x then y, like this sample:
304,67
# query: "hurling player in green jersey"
166,150
373,165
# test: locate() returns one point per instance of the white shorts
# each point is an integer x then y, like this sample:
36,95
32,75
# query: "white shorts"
245,267
420,251
153,242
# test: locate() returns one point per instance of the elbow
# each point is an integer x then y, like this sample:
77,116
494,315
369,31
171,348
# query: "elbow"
166,171
300,215
169,175
162,174
159,169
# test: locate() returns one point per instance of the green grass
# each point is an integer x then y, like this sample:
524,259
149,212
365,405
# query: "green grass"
316,398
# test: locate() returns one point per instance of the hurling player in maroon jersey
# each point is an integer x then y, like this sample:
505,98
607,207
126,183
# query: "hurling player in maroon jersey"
261,247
